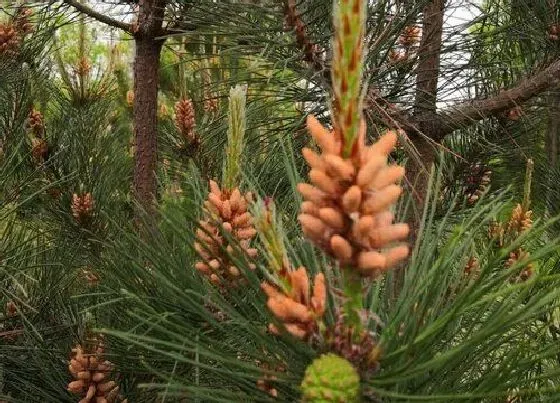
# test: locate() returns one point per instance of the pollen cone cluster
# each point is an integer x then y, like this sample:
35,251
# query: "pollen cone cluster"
266,382
82,207
83,67
91,373
410,36
520,220
130,98
526,272
299,309
39,146
472,268
36,123
211,105
224,211
9,39
22,24
184,119
477,181
347,205
39,149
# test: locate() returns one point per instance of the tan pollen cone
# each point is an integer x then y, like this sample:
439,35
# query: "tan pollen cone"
346,208
224,211
91,373
298,310
185,119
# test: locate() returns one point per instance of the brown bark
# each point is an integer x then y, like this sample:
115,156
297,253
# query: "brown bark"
418,168
428,57
553,132
146,80
552,144
146,68
469,112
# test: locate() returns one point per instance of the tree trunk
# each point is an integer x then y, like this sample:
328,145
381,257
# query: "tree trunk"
146,70
428,58
552,144
146,80
428,128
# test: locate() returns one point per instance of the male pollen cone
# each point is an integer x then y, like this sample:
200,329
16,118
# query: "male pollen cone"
346,208
228,210
91,372
297,309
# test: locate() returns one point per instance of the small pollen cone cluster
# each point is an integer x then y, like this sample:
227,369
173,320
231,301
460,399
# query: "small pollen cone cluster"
39,146
211,104
554,32
477,182
83,67
299,310
472,268
293,20
11,309
397,56
526,272
39,149
410,36
515,114
496,233
9,39
82,207
22,24
224,211
36,124
266,382
90,371
130,98
347,205
12,33
504,234
184,119
163,112
520,220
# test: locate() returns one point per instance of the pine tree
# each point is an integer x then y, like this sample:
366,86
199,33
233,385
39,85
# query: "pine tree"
279,265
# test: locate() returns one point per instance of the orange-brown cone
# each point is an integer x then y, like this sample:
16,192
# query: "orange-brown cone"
82,207
10,39
36,123
39,149
91,376
301,308
347,205
520,220
224,211
527,271
184,119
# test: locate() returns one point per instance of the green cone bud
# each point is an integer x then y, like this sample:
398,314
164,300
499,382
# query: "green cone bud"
330,378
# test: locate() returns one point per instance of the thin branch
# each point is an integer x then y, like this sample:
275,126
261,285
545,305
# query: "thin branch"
311,51
82,8
470,112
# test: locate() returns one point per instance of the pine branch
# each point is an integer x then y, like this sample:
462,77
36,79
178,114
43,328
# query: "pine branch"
472,111
82,8
310,50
